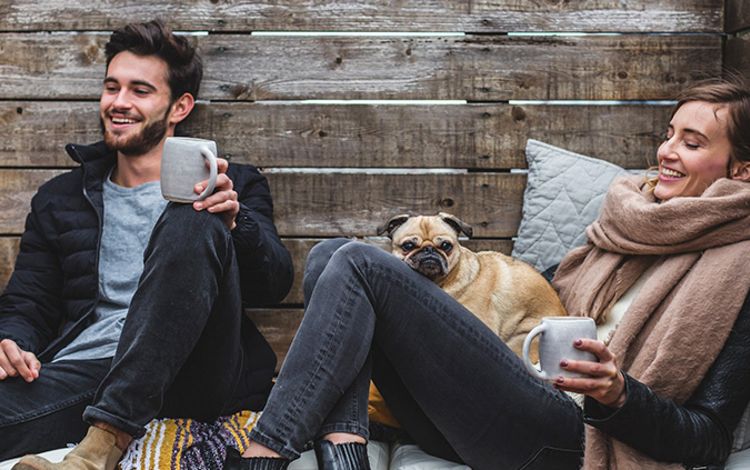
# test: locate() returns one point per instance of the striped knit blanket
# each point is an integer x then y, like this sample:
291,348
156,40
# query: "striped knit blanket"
174,444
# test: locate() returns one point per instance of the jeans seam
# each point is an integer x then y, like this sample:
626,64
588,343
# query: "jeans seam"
351,428
260,437
294,407
48,410
355,403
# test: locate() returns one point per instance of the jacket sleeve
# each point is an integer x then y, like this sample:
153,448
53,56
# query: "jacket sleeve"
31,307
265,264
700,432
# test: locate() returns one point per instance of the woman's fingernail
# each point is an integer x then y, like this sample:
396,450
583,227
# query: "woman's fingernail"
578,342
560,379
563,363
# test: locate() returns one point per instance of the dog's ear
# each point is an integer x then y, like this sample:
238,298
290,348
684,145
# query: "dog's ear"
458,225
392,224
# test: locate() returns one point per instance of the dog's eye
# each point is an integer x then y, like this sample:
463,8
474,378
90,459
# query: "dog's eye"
446,246
408,246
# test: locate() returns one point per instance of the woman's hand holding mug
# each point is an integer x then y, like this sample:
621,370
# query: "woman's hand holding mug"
603,381
575,361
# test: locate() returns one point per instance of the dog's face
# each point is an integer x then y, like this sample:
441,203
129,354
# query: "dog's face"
428,244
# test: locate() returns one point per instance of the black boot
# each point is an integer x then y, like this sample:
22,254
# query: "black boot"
235,461
349,456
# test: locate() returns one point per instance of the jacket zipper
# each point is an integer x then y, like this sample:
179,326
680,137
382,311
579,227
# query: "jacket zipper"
48,349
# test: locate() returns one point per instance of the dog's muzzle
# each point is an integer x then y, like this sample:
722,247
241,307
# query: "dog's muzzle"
429,262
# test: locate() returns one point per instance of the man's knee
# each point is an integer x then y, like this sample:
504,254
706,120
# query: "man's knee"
182,217
180,226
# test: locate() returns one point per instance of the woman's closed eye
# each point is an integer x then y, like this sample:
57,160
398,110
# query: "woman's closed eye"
692,145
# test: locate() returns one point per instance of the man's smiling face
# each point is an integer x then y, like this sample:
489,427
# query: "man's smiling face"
135,103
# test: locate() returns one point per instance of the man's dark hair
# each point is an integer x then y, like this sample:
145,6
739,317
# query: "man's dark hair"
155,38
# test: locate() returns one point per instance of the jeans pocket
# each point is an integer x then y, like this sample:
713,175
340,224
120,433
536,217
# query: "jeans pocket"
553,458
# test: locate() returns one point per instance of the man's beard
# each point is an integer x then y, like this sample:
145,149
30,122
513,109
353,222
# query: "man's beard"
140,143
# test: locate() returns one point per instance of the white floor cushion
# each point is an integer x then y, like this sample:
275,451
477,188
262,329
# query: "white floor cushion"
738,461
411,457
51,455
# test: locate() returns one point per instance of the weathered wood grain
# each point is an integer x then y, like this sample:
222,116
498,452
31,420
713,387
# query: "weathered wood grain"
36,132
737,15
373,136
16,190
737,55
278,326
350,15
298,248
342,203
52,65
8,252
477,68
332,204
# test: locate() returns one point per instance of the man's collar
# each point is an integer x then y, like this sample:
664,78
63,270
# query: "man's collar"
86,153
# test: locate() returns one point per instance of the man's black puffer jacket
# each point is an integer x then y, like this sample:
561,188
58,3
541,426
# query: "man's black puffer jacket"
54,288
700,432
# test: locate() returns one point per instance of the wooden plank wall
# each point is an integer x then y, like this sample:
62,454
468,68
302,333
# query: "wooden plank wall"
737,16
455,99
737,49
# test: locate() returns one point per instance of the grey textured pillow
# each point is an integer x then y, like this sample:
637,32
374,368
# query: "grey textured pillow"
563,194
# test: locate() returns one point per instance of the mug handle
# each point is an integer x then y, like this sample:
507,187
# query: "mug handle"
213,169
537,330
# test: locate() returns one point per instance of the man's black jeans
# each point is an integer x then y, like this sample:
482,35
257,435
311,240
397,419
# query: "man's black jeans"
454,386
180,353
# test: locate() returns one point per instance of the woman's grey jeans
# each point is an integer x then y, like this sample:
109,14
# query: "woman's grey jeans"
455,387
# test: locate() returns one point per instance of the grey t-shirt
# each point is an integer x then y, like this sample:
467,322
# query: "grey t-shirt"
129,217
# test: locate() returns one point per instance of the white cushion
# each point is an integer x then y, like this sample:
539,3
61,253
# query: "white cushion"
738,461
51,455
411,457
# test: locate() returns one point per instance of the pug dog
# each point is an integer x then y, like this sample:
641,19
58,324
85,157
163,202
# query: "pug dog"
507,295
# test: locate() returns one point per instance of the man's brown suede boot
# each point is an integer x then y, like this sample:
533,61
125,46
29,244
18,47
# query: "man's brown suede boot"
97,451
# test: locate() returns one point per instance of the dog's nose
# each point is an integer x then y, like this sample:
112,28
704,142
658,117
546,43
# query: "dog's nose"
429,249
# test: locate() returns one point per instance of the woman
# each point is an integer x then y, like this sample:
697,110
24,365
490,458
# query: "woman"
670,386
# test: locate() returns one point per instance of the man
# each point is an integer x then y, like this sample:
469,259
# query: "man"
122,307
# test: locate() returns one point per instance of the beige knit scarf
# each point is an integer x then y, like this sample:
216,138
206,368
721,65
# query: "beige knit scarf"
679,321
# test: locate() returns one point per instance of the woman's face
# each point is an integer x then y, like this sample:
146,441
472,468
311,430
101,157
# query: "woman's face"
696,152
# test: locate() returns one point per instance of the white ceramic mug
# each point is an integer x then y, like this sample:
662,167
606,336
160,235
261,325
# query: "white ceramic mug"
183,165
556,338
